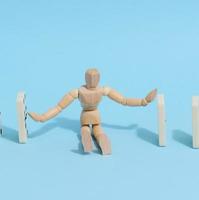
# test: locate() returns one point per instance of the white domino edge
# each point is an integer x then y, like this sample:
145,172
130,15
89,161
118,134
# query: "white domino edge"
21,112
161,120
195,121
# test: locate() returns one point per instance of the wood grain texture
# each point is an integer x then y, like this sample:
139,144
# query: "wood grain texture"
102,140
90,99
86,139
90,117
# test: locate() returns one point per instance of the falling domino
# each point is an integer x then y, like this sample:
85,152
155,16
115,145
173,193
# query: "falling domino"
195,121
161,120
21,115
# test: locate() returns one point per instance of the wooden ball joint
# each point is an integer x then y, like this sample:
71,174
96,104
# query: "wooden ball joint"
90,95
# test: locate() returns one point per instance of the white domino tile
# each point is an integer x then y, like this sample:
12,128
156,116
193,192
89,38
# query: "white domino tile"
21,115
161,120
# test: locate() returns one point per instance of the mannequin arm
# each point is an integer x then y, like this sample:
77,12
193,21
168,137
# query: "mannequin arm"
116,96
66,100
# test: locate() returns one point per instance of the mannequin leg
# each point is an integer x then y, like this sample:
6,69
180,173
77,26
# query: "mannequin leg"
102,140
86,139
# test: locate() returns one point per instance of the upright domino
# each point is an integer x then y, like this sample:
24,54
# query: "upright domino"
161,120
21,115
195,121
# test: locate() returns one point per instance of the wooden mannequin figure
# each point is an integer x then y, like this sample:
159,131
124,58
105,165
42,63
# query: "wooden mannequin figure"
90,96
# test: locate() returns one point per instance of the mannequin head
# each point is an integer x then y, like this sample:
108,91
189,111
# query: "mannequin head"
92,77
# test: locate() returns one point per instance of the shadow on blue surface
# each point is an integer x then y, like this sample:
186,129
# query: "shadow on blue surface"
74,126
130,127
63,123
182,137
10,134
147,136
142,133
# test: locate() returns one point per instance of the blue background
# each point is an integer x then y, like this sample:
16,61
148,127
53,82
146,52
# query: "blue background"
45,48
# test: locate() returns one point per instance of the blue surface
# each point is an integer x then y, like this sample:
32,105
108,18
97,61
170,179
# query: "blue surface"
45,47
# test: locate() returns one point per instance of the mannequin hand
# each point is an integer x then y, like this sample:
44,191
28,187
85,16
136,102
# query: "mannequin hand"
151,96
36,117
